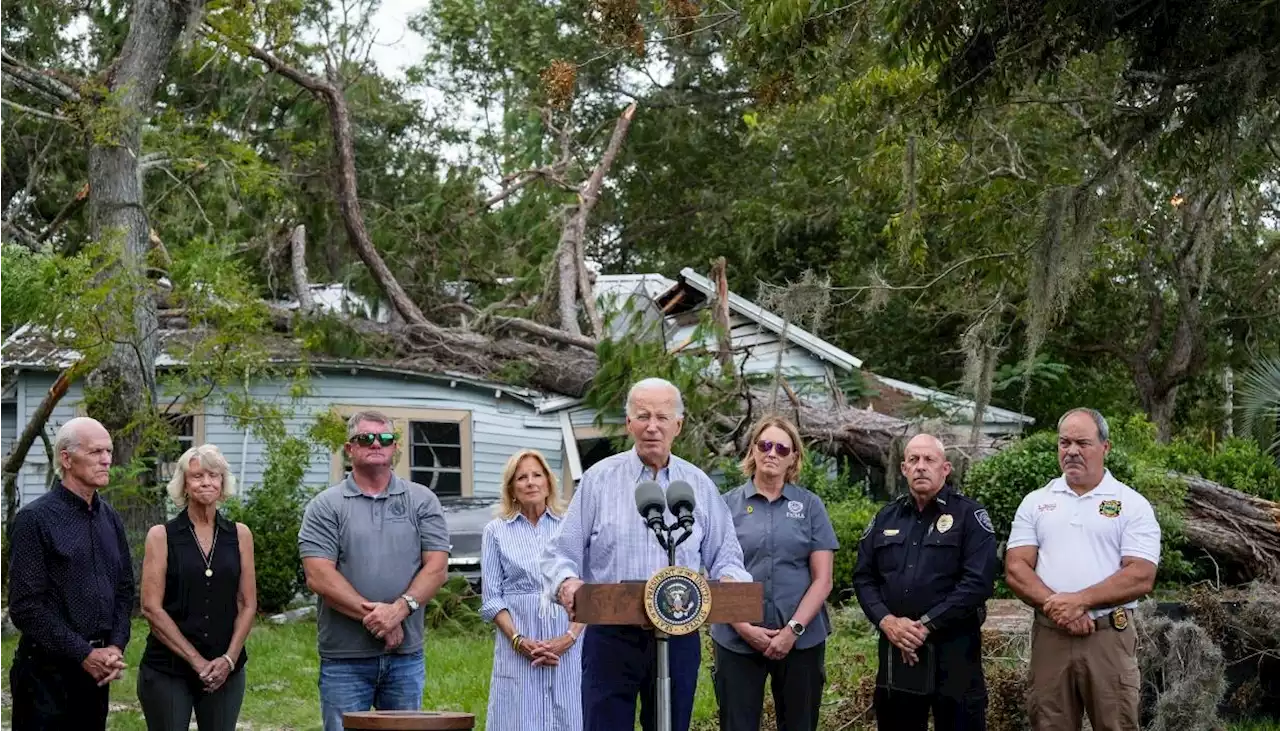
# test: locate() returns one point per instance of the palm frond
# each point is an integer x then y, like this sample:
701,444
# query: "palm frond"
1259,403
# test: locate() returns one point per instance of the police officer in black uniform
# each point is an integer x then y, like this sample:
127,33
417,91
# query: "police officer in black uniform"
926,567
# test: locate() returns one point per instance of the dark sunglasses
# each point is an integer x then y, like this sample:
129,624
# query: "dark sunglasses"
386,439
764,446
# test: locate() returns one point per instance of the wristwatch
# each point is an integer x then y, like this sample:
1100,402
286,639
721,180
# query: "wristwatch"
796,627
413,603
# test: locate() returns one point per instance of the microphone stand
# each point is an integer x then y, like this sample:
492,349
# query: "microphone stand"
663,690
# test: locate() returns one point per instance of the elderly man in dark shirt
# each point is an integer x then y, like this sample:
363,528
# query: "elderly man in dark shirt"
70,590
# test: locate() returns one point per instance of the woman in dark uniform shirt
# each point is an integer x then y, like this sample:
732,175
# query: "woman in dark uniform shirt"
788,544
199,595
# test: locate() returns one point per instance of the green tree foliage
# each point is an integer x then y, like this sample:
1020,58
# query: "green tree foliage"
1208,65
273,512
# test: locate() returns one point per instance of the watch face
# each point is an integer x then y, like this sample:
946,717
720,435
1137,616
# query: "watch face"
797,628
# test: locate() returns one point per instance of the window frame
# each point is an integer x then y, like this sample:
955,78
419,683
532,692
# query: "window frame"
400,418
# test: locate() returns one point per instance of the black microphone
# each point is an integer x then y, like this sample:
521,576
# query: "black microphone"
650,503
680,501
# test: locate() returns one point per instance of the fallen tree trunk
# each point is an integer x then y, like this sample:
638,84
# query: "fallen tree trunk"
1234,527
13,462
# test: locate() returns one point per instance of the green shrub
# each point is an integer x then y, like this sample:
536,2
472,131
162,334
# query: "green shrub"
849,518
273,511
819,476
1237,463
1001,481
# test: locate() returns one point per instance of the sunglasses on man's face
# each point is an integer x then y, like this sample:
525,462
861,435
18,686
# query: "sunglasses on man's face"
386,439
764,446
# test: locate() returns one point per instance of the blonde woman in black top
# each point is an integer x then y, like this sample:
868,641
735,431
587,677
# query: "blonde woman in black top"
199,595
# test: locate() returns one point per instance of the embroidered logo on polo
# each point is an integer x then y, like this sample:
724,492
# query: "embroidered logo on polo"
984,520
795,509
750,509
397,507
1045,507
1109,508
945,522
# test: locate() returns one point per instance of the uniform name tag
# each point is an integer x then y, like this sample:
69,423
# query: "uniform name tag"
891,531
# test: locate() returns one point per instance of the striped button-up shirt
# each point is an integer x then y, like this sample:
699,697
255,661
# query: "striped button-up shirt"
603,539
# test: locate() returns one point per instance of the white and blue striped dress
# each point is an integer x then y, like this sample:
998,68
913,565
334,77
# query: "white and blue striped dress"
522,697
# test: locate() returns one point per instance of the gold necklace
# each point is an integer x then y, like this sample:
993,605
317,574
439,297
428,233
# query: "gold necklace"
208,558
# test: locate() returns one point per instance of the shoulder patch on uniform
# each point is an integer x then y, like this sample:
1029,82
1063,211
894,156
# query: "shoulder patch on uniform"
984,520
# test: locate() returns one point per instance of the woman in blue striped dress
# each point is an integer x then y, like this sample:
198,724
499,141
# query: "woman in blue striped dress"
537,666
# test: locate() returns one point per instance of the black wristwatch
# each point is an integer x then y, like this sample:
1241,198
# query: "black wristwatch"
796,627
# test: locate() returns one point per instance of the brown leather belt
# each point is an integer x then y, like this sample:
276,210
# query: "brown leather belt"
1118,619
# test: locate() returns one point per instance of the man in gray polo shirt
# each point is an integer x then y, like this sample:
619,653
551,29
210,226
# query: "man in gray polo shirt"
375,549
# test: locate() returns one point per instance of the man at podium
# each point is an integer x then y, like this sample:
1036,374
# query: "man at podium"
602,539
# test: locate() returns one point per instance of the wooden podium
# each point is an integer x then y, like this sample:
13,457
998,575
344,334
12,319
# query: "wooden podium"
407,721
623,603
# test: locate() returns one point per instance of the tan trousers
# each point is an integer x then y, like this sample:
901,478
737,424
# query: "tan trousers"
1097,674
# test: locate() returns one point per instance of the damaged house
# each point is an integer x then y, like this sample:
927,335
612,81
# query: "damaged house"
459,429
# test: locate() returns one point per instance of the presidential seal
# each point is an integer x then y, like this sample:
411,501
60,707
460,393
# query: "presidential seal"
677,600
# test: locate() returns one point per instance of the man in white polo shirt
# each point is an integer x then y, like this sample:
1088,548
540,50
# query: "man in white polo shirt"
1083,549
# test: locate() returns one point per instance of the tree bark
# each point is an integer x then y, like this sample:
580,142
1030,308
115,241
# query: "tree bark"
123,383
571,267
1240,529
724,339
298,257
329,92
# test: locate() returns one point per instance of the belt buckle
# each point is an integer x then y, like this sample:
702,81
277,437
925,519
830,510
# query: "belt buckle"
1119,618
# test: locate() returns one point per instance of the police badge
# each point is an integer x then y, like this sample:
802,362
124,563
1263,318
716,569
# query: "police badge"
1120,618
945,522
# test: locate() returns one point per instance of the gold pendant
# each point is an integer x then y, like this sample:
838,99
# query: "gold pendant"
208,572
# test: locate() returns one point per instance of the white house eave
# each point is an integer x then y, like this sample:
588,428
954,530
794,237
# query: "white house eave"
557,403
765,318
991,415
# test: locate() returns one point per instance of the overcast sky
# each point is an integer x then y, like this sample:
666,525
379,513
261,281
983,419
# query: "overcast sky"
397,46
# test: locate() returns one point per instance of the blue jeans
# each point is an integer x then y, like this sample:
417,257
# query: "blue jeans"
387,683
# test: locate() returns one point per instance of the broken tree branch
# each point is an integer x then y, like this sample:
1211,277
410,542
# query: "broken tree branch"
571,252
55,89
329,92
720,276
298,258
34,428
34,112
65,214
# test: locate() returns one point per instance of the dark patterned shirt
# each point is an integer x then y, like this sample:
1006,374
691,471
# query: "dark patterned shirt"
70,575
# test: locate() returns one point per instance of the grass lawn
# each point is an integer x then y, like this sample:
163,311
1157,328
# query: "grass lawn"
282,692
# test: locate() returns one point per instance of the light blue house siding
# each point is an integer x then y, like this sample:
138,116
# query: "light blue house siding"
8,425
497,423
